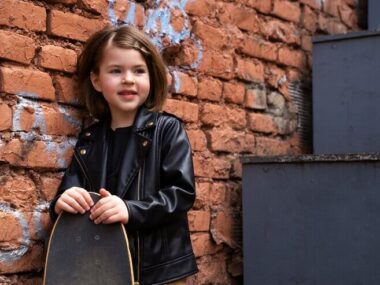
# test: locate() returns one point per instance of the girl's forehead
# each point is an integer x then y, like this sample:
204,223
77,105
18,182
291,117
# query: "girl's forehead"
114,53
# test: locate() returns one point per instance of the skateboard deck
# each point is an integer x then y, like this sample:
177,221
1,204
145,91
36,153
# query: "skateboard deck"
81,252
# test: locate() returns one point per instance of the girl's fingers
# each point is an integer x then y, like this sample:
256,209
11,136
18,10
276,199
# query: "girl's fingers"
73,203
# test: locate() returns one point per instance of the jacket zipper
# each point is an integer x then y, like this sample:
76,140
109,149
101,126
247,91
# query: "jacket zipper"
84,172
138,234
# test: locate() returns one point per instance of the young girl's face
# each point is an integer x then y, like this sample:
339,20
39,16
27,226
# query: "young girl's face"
123,79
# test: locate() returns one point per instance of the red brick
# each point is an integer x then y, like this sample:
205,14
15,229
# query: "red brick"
97,6
310,19
245,18
197,139
201,8
256,99
250,70
218,168
210,89
31,261
41,226
49,186
202,197
294,58
37,154
10,228
67,89
187,111
218,194
261,123
287,10
348,16
235,265
48,118
184,84
234,92
275,76
222,116
223,226
187,55
203,245
316,4
262,6
217,64
231,141
331,25
22,15
20,191
6,117
257,47
236,169
270,147
351,3
72,26
215,38
277,30
331,7
199,221
307,43
58,58
16,47
121,10
212,270
36,83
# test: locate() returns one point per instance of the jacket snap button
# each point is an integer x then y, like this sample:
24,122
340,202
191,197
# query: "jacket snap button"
145,143
149,124
87,134
83,151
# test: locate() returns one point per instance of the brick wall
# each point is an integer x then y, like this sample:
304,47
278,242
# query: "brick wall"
232,65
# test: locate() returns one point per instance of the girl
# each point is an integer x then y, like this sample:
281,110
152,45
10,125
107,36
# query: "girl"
137,158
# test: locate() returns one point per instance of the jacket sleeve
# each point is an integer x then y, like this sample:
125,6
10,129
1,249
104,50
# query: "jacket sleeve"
72,177
176,194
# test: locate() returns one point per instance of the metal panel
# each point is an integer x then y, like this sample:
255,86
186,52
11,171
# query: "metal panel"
311,222
373,15
346,94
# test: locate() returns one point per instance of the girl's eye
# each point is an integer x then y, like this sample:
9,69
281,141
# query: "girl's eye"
140,71
115,70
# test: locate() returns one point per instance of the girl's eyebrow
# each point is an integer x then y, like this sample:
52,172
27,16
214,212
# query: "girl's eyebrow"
119,65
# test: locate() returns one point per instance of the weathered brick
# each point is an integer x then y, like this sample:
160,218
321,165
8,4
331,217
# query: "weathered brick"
234,92
270,147
18,190
236,169
257,47
37,154
201,8
223,116
123,11
218,194
212,270
215,38
217,64
203,244
231,141
262,6
35,83
187,111
199,221
100,7
307,43
331,7
223,226
287,10
10,228
256,99
72,26
6,117
218,168
49,119
275,76
16,47
202,197
197,139
331,25
316,4
282,31
67,89
348,16
210,89
291,57
22,15
245,18
49,186
250,70
261,123
58,58
184,84
310,19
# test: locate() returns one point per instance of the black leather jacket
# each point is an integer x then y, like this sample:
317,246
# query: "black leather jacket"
156,181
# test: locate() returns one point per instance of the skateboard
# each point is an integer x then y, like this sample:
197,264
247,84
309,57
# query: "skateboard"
81,252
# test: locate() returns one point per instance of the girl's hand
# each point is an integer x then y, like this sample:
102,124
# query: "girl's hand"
109,209
74,200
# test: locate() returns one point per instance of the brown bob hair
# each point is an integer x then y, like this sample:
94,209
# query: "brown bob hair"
123,37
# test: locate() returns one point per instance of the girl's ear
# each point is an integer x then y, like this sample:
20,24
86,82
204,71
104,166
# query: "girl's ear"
95,81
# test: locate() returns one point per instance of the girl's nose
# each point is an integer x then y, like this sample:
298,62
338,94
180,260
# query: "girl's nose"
128,78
